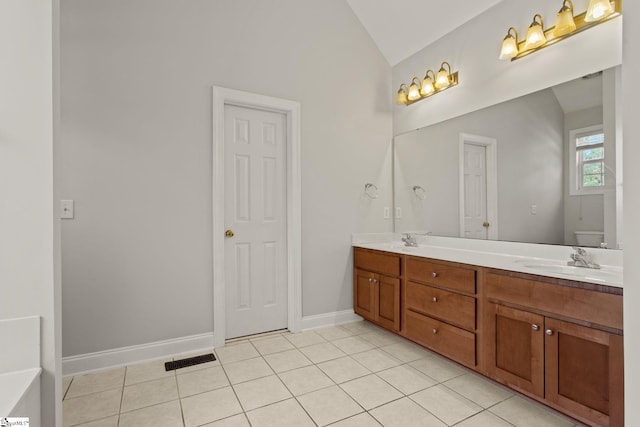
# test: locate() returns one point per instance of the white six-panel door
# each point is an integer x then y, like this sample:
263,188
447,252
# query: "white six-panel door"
255,220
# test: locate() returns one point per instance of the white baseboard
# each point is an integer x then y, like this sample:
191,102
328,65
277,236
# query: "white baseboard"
329,319
83,363
135,354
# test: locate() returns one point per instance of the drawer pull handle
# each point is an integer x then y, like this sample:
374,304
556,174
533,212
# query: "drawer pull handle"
535,327
549,332
434,274
434,299
435,330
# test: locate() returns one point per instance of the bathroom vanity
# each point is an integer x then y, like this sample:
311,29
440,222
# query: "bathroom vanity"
551,332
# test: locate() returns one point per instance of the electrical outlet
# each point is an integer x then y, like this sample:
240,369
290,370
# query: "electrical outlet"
534,209
398,212
386,212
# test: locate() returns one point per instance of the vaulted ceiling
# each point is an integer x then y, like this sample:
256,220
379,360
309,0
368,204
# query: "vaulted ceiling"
400,28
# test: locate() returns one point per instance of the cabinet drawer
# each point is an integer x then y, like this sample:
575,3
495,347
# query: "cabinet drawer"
456,343
378,262
595,308
443,275
449,306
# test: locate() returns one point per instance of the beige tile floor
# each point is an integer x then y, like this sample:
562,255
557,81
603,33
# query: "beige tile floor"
350,375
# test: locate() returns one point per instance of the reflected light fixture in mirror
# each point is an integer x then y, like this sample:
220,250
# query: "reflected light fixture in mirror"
567,24
430,85
535,34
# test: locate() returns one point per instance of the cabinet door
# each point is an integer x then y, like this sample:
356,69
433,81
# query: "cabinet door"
584,372
364,294
516,352
388,314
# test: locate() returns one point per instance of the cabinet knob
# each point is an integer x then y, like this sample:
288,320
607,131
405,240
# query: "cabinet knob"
535,327
370,280
434,299
375,280
434,274
549,332
435,330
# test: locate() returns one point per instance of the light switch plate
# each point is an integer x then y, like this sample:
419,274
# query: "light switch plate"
66,209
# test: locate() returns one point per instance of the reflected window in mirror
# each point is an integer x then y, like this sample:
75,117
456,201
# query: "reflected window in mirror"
588,156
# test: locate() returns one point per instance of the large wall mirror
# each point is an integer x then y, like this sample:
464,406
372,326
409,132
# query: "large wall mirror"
539,169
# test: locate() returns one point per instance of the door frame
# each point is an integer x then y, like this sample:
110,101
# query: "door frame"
491,154
291,109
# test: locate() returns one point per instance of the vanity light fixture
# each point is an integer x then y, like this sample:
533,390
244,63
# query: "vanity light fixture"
535,34
598,10
567,24
509,44
427,87
414,89
443,79
430,85
401,98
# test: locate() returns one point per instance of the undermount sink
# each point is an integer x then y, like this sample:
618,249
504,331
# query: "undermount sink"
602,274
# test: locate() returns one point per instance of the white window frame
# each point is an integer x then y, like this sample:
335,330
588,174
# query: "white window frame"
574,173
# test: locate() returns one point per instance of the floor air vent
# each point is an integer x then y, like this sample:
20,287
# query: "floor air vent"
189,361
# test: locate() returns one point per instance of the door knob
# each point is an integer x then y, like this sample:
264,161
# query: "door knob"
486,224
229,233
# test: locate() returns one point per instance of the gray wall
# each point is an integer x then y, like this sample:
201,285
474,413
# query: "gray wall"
135,152
529,138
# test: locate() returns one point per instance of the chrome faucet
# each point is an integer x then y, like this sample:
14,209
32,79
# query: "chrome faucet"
580,258
409,240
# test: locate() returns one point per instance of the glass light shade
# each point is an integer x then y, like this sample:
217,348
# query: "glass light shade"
401,99
442,79
597,10
535,36
414,92
427,88
564,23
509,47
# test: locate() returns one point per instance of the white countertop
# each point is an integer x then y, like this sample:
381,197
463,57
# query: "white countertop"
542,260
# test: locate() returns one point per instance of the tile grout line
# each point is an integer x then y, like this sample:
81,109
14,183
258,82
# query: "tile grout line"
428,355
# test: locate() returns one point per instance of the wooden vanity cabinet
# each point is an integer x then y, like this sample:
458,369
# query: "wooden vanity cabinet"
377,287
439,308
557,341
559,344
